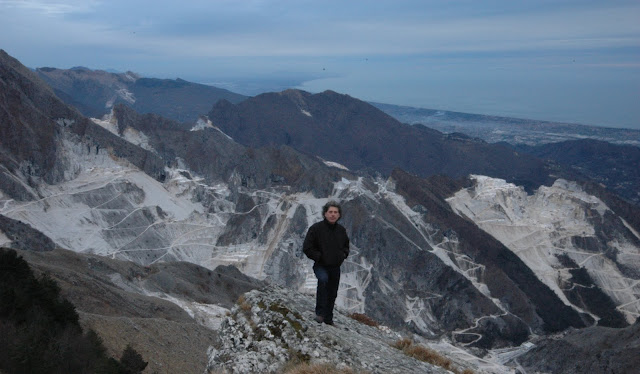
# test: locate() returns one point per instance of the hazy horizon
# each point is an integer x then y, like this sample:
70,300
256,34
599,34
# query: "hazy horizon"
574,61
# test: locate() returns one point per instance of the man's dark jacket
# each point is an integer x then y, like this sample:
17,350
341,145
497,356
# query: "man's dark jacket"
326,244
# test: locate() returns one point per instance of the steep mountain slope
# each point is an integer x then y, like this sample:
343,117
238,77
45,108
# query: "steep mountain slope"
166,310
95,92
573,352
212,154
356,134
506,276
615,166
183,318
36,127
150,191
568,238
23,148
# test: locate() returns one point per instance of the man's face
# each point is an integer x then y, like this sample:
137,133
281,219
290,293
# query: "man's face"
332,215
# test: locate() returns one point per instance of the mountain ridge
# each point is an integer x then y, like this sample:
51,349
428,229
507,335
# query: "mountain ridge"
95,92
358,135
612,165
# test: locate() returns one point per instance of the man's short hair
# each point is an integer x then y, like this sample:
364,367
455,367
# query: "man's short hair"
330,204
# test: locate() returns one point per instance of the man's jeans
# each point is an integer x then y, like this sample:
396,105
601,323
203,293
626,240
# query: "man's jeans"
327,291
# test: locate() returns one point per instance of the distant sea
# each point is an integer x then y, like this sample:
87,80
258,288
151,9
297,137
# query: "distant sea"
608,100
543,105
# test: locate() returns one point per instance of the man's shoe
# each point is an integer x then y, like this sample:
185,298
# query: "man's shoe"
319,319
329,322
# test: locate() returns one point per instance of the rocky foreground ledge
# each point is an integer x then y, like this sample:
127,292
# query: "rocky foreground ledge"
269,328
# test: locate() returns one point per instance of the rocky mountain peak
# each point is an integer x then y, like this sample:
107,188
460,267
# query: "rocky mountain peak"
270,327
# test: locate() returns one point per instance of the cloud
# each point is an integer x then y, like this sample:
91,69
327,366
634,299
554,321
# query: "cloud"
210,29
299,29
48,8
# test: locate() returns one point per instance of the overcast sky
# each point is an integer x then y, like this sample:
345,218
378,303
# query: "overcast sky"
562,60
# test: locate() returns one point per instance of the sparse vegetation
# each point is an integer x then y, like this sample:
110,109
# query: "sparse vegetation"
243,304
363,318
318,368
286,314
296,359
425,354
403,343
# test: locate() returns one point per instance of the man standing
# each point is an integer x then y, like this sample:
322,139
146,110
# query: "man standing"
327,244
